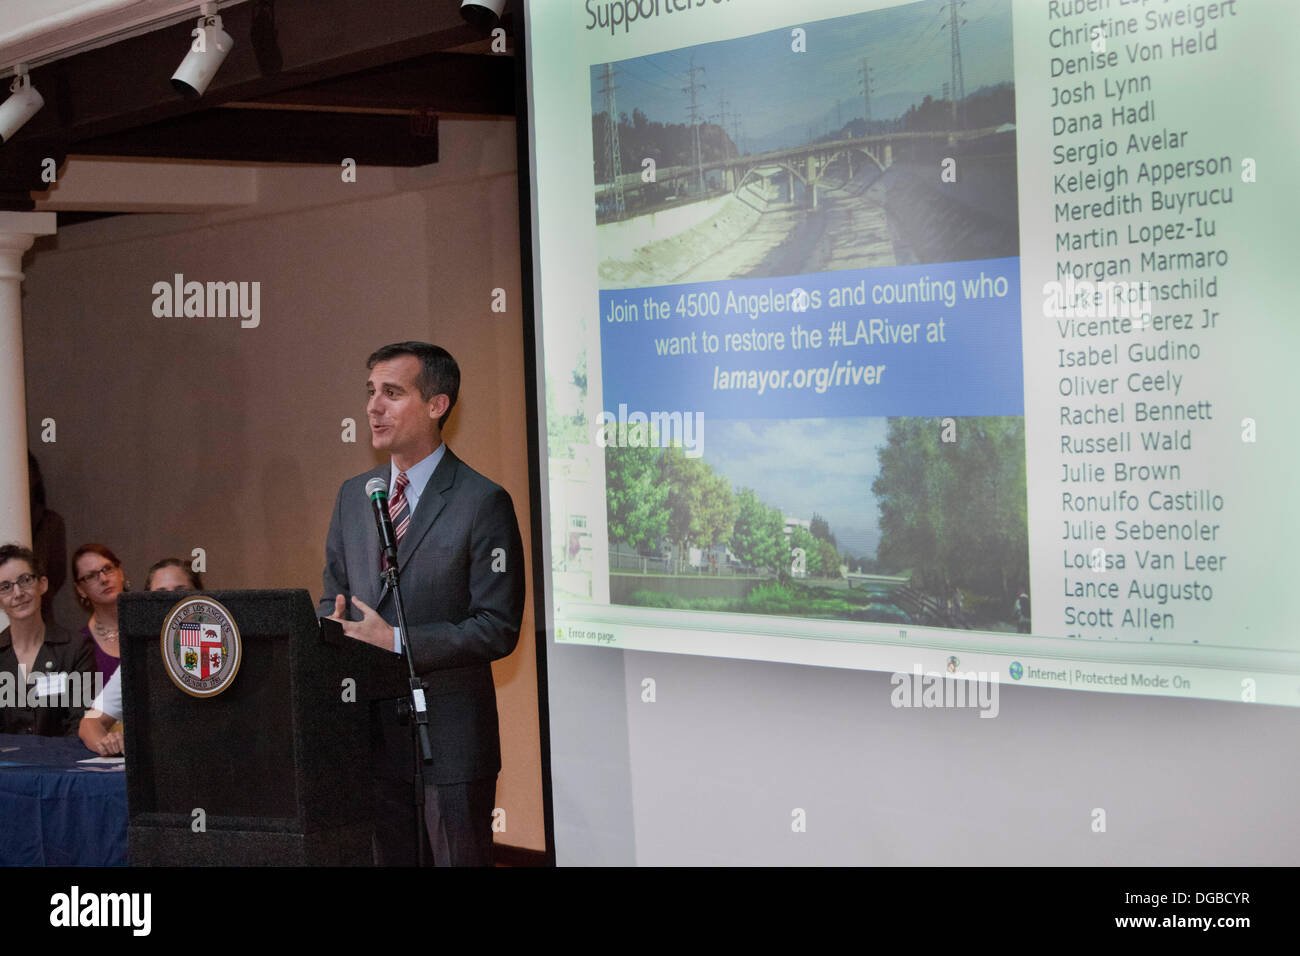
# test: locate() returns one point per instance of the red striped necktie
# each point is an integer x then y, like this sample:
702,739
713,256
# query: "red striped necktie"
398,509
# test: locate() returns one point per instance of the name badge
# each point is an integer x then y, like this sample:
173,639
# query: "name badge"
50,685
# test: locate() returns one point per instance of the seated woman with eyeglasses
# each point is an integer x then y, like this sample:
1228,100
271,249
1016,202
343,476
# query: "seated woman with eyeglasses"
49,669
101,728
99,579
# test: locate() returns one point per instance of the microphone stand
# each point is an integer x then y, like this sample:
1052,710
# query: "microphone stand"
421,749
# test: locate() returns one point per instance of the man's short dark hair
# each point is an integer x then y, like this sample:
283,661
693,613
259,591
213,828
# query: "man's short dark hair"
439,373
12,552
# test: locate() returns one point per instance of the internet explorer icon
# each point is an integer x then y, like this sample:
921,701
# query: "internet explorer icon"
1016,670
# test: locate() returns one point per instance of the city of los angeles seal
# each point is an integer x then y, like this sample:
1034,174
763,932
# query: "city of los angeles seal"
201,647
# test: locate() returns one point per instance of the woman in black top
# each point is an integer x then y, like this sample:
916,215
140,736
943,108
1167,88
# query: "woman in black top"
46,671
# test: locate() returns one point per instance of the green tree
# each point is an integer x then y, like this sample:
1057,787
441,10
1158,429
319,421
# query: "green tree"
821,529
719,511
801,537
830,559
564,426
776,522
955,511
909,497
634,495
757,538
580,373
701,508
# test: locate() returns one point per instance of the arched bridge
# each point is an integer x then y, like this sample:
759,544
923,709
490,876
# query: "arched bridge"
807,164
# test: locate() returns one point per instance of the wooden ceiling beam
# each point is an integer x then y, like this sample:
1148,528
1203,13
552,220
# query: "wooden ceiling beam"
106,101
279,45
479,85
278,136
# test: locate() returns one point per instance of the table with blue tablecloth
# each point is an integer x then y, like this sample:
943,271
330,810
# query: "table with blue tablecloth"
55,811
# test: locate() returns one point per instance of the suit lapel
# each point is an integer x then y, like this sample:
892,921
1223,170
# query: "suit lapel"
432,501
371,549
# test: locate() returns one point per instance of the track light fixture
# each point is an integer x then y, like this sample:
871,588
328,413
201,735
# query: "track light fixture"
23,103
482,13
207,53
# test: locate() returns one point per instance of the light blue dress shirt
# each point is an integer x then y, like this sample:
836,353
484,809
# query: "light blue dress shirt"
417,477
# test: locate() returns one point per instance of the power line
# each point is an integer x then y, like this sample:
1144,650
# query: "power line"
644,82
651,61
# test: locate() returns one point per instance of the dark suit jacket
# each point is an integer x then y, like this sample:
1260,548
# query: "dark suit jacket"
63,651
462,574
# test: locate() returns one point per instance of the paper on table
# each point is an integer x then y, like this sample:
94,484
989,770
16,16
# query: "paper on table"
103,760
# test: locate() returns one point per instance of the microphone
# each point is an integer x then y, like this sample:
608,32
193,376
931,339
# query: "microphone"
377,492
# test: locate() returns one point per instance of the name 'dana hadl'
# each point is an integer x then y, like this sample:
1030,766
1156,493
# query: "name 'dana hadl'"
209,300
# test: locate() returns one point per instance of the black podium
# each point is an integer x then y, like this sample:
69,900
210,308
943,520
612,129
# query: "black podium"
273,770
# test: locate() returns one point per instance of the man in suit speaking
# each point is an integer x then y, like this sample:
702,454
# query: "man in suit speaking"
460,558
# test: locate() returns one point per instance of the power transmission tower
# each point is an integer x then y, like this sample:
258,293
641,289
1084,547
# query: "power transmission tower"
958,82
694,111
864,78
615,159
721,117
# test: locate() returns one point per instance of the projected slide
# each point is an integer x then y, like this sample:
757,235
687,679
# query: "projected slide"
921,335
